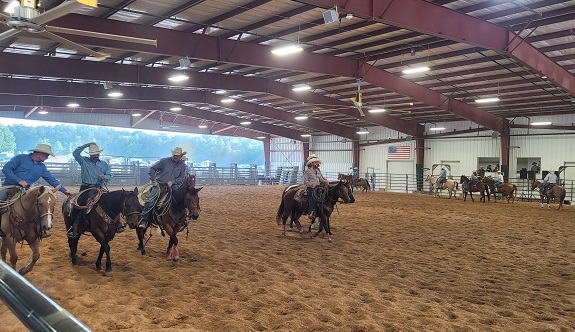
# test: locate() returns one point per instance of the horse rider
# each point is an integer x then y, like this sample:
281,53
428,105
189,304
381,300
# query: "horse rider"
499,180
25,169
313,179
94,173
481,172
489,168
474,178
441,178
168,172
550,180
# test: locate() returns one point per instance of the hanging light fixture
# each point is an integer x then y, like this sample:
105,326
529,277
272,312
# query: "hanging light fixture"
541,123
362,131
487,100
416,70
301,87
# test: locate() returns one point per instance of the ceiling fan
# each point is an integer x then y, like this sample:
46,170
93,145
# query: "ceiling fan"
25,17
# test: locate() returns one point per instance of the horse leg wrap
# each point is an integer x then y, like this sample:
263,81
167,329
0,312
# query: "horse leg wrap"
283,229
169,254
176,253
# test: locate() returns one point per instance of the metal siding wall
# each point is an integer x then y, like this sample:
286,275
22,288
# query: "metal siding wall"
334,151
285,152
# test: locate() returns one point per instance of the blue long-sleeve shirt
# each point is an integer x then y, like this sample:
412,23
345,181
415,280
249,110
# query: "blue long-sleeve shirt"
90,171
22,167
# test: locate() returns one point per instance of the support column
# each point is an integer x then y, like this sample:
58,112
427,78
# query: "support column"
267,155
419,154
505,143
355,153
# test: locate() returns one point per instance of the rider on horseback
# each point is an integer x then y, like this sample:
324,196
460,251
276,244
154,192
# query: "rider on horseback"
549,181
474,178
441,178
94,173
166,173
499,180
313,178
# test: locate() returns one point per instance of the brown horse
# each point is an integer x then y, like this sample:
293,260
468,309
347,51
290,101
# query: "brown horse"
170,215
294,204
102,220
30,214
363,184
347,178
480,187
507,189
554,191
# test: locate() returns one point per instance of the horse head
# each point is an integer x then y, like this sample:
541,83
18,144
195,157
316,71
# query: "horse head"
463,179
340,191
45,202
534,184
192,202
131,207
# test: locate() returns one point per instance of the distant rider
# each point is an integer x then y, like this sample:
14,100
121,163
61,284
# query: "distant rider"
550,179
442,177
313,179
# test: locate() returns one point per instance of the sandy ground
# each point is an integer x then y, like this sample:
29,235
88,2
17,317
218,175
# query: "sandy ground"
398,263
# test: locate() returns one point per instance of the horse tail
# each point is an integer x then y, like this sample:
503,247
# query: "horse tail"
281,209
514,192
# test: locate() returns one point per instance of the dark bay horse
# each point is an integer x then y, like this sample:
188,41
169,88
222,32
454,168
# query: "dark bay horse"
102,220
27,214
507,189
346,178
293,206
555,191
479,186
171,216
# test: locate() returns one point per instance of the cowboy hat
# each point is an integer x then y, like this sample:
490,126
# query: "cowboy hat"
312,160
178,152
44,148
93,149
551,170
311,156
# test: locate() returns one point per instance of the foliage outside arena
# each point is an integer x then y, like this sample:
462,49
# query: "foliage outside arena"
134,145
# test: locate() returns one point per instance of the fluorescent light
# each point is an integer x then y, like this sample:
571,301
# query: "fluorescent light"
175,108
10,7
437,128
287,50
178,78
300,117
486,100
245,123
541,123
136,114
415,70
362,131
73,105
376,110
305,135
42,112
227,100
115,94
301,87
203,126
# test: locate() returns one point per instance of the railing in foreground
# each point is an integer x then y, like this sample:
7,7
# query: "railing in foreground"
37,311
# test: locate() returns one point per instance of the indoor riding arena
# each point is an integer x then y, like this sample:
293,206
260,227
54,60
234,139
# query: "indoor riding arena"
398,262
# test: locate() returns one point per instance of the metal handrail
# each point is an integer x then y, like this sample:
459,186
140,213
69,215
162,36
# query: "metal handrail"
34,309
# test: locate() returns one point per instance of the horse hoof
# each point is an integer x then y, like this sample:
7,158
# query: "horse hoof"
108,273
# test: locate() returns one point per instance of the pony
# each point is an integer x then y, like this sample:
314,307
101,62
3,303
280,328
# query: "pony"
293,204
479,186
507,189
170,215
451,185
24,217
553,191
363,184
101,219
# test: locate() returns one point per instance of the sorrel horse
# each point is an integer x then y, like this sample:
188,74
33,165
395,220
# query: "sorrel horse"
450,185
27,214
556,191
170,215
479,186
507,189
101,219
294,204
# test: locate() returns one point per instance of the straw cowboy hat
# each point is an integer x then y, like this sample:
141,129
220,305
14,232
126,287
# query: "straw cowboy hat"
311,159
44,148
551,170
93,149
178,152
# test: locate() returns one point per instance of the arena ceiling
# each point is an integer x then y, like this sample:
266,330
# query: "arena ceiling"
520,51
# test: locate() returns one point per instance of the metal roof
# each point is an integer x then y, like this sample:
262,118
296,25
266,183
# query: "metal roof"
520,51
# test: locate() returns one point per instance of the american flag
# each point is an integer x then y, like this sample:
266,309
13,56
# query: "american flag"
398,152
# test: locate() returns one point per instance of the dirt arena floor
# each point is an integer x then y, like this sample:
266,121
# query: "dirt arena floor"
397,263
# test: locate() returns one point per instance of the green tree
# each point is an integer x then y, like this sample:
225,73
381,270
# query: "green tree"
7,140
